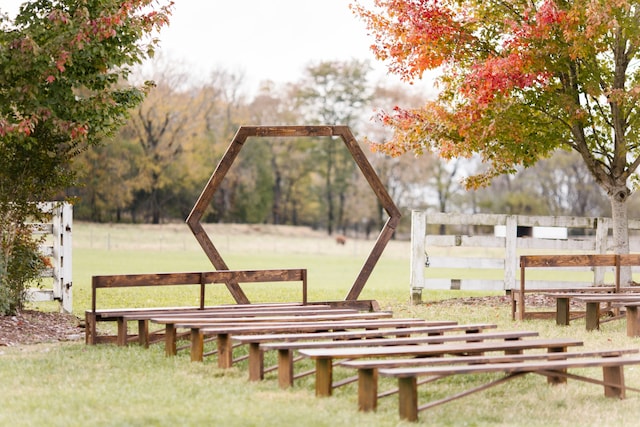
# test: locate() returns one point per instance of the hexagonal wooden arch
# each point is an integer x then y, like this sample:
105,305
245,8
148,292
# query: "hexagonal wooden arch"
229,157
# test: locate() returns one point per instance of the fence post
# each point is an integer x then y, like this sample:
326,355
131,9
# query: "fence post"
602,235
62,279
510,252
418,257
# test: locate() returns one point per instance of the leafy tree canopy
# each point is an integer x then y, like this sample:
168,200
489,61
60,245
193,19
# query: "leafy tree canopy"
520,78
63,68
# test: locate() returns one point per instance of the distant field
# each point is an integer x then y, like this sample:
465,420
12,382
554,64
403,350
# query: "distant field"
125,248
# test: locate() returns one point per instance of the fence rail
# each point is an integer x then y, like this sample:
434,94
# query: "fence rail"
476,231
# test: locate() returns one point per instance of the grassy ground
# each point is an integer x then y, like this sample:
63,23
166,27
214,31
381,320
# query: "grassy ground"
72,384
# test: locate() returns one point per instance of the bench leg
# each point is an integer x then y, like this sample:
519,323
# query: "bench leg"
593,316
122,332
562,311
90,331
559,379
197,345
225,351
367,389
285,368
324,376
408,398
614,377
633,321
143,333
170,348
256,362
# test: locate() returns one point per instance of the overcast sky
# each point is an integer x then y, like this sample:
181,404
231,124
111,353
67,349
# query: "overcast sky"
265,39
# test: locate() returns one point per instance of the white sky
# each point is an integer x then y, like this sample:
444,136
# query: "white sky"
264,39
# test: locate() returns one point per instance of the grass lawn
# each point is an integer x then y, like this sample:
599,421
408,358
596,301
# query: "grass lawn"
70,384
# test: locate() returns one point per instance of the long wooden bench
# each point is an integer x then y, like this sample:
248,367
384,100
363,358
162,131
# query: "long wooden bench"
593,304
518,310
368,392
256,354
145,337
224,334
286,360
201,279
612,372
324,357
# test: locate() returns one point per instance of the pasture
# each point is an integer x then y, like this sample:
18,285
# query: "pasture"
66,384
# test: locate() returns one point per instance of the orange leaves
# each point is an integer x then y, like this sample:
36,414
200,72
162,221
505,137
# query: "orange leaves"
414,35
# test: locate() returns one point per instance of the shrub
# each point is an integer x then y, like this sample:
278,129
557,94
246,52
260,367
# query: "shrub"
20,265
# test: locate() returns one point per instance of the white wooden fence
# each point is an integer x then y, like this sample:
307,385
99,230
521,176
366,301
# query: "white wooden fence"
57,248
433,251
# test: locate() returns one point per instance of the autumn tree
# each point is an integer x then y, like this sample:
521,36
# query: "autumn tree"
62,68
334,93
519,80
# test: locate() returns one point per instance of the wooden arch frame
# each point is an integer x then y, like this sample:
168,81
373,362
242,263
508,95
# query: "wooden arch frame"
229,157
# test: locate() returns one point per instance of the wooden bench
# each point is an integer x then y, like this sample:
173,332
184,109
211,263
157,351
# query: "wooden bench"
224,334
200,279
324,357
285,349
518,310
612,368
593,304
256,354
145,337
368,393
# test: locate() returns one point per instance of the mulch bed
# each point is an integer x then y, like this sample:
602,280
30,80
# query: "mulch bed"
33,327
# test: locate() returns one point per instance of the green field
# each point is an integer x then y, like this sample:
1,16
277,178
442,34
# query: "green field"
70,384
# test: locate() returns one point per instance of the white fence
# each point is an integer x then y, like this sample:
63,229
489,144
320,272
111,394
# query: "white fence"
517,236
57,248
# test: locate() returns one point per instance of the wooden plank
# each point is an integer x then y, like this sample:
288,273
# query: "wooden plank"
567,260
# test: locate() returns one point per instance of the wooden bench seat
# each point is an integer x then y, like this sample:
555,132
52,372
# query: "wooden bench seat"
324,357
285,349
593,304
612,368
231,278
256,354
368,393
143,317
224,333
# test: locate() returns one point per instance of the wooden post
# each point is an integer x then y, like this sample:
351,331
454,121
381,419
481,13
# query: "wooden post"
418,254
225,351
256,362
367,389
593,316
324,376
563,311
633,321
170,340
613,376
285,368
197,345
408,398
143,333
122,332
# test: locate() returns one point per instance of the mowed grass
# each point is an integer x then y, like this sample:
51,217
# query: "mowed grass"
70,384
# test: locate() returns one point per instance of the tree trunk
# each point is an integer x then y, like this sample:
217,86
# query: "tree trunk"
621,231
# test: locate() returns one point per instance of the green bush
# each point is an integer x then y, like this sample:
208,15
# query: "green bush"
20,265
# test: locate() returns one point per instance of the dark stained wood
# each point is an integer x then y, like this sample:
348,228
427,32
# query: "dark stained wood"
613,377
329,354
588,260
244,132
183,278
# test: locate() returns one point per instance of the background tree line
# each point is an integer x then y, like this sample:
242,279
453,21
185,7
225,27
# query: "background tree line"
154,169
